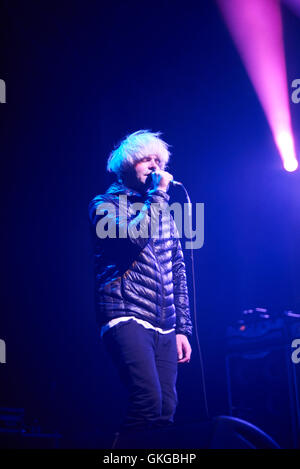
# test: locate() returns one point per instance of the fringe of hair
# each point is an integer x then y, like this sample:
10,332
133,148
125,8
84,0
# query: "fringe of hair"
135,147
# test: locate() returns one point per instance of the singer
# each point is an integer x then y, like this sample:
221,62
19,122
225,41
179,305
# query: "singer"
142,302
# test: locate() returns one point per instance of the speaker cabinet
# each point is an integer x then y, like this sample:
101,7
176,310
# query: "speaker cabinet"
19,440
263,388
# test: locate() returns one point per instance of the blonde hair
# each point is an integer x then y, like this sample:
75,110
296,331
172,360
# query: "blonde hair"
134,148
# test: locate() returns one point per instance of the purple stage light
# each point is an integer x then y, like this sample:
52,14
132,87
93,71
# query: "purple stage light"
285,143
256,28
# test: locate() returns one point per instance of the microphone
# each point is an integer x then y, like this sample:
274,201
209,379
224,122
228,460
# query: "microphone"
176,183
173,182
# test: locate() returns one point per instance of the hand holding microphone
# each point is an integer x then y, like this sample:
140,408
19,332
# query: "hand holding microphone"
162,179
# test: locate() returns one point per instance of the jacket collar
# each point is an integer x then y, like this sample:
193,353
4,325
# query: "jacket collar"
119,188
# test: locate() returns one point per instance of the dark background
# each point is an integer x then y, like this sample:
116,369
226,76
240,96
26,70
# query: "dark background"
80,76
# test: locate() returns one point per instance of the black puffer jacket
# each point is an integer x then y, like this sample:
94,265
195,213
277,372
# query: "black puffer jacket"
139,276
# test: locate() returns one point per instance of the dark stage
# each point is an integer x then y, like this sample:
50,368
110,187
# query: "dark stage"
222,84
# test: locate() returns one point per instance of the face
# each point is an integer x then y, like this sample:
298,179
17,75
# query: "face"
145,166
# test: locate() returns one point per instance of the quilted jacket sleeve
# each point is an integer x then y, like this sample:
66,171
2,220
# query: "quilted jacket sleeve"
181,297
125,225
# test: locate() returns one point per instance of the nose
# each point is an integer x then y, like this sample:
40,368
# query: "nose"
153,165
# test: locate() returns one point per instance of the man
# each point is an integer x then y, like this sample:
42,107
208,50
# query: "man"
141,292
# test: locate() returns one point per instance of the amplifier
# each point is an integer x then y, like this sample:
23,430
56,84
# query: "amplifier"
262,381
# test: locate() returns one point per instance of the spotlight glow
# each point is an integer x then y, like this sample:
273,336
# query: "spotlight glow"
285,143
290,165
256,28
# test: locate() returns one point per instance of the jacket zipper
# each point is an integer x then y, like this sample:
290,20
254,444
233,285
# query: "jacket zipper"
161,276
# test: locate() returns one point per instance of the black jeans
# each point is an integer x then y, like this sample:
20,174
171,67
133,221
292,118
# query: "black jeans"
147,364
